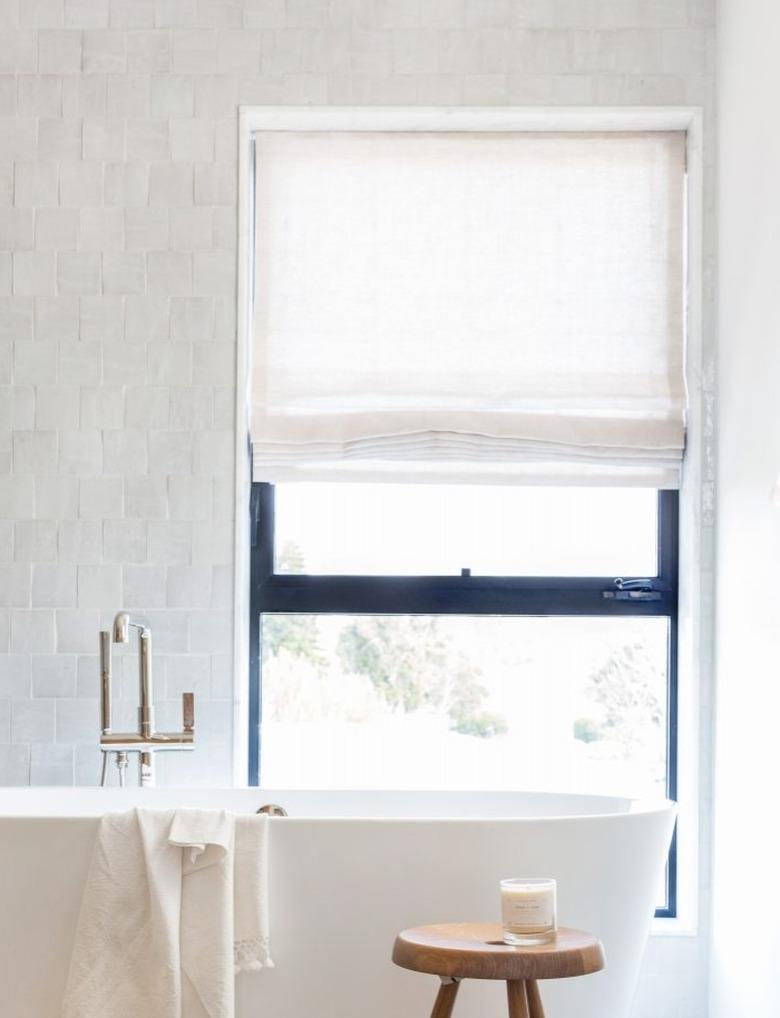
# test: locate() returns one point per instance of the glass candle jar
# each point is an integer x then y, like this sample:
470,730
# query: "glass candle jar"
528,915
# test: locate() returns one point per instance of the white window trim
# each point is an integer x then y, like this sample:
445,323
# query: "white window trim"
254,119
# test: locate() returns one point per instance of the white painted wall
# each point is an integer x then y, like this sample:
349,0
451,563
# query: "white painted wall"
746,938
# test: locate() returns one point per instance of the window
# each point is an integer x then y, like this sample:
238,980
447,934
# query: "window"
467,427
409,636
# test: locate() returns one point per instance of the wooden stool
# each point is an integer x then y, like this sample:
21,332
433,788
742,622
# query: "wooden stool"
455,951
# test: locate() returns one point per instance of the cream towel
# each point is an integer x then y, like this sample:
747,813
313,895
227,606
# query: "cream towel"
252,925
173,900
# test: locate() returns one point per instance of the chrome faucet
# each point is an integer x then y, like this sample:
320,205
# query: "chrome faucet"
146,741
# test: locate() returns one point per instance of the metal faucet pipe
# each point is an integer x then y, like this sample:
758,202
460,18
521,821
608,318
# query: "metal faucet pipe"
146,741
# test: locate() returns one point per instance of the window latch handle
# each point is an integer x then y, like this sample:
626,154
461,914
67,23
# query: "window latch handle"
638,589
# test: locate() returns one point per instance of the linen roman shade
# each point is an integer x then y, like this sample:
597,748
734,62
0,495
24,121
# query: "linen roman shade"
455,306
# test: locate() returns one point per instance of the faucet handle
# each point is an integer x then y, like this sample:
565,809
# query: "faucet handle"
188,711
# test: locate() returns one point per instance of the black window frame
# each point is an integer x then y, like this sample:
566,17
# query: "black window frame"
283,593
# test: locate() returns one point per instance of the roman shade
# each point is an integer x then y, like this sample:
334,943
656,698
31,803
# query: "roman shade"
457,306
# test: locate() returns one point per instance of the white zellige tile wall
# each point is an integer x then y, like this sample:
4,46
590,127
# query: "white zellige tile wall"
117,309
117,274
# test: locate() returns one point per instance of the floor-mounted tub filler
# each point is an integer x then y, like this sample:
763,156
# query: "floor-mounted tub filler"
348,870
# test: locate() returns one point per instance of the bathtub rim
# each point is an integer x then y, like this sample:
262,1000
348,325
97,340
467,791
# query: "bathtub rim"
636,807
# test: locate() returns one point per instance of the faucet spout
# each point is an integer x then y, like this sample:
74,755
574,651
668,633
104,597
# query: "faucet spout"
123,623
120,631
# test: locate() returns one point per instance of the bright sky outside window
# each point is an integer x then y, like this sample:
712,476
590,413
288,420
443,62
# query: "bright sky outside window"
438,530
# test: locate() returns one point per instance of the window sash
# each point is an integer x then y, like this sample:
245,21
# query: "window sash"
458,595
272,592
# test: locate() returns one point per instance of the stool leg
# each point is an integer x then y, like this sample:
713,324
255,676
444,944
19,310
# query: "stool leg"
517,998
534,999
445,999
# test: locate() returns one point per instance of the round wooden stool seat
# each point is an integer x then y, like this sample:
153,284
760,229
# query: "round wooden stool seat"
455,951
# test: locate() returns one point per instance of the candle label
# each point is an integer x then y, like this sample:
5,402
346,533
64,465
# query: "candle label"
528,909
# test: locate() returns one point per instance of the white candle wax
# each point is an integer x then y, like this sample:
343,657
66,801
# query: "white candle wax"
528,906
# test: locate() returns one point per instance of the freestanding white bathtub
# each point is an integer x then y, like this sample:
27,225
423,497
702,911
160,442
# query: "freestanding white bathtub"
348,870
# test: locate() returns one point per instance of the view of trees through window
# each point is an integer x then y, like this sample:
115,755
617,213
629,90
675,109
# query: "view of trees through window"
453,701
